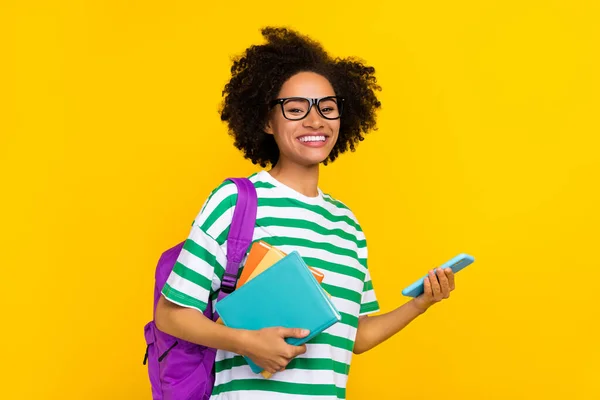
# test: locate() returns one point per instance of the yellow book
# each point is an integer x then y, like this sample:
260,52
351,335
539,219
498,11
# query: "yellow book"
272,256
257,252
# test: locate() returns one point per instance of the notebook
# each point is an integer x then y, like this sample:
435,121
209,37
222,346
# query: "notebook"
286,294
257,252
261,257
273,255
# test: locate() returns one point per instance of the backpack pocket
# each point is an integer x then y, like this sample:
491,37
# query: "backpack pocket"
187,372
184,370
151,358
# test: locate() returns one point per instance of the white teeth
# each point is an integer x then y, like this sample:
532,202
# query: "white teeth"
312,138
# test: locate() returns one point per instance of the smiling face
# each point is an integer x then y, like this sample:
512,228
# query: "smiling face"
308,141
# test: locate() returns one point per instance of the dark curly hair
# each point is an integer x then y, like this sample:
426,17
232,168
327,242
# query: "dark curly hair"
259,73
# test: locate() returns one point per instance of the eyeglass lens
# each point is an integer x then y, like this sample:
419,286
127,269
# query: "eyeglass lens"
298,108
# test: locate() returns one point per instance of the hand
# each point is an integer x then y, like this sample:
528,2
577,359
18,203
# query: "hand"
436,288
269,350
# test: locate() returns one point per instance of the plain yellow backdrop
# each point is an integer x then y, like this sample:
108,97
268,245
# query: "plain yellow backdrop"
488,143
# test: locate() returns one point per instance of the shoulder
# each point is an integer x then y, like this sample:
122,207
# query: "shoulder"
219,197
343,214
225,194
340,208
216,213
353,227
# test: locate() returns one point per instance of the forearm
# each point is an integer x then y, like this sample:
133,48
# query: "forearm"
192,326
375,330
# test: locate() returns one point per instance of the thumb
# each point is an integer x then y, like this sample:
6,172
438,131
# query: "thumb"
294,332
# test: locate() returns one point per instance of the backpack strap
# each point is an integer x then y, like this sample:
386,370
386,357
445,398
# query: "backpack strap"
240,234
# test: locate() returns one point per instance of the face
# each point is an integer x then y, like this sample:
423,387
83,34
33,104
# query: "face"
308,141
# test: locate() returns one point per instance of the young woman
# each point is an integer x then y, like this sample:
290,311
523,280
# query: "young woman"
292,107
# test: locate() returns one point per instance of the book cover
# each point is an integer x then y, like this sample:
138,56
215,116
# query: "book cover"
287,295
257,252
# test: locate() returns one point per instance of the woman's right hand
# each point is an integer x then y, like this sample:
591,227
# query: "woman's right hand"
269,350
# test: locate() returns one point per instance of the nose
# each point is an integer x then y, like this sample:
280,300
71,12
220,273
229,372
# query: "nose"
313,119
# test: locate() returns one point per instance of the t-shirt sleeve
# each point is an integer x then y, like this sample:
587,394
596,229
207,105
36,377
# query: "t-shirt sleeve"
197,273
368,301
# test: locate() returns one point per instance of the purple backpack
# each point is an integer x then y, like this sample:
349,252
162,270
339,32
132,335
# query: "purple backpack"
181,370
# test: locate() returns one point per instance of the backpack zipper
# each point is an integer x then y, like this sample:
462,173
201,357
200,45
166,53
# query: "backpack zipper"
163,355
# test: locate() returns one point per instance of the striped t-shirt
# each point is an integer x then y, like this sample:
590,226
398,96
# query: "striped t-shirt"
328,237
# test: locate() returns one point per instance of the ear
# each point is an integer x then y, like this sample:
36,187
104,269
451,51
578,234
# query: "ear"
268,128
268,123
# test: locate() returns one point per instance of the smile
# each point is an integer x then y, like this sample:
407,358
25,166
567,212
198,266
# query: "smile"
317,138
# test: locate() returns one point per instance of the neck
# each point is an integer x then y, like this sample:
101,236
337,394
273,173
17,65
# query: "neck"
303,179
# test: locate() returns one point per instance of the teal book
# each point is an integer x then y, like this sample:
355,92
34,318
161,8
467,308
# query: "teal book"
287,295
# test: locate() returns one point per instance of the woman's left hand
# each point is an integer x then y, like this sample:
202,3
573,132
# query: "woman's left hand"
436,288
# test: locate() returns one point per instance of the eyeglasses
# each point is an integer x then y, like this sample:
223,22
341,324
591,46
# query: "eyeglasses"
297,108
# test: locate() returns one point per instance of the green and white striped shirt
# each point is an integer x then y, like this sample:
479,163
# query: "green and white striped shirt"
328,237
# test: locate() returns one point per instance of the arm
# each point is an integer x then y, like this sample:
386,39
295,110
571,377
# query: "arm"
266,347
191,325
374,330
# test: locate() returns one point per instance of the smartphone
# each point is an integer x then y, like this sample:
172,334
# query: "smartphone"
456,264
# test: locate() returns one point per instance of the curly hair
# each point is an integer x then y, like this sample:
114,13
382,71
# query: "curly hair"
258,75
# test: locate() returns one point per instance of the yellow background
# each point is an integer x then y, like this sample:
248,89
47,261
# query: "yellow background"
488,144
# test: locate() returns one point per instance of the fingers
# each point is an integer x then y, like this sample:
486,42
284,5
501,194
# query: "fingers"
427,288
274,354
435,286
293,332
298,350
272,366
277,365
271,370
443,280
291,352
450,276
281,364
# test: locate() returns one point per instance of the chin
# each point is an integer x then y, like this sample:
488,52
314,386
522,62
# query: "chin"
304,162
309,162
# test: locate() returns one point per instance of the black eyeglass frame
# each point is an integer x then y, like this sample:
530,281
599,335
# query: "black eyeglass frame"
311,102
